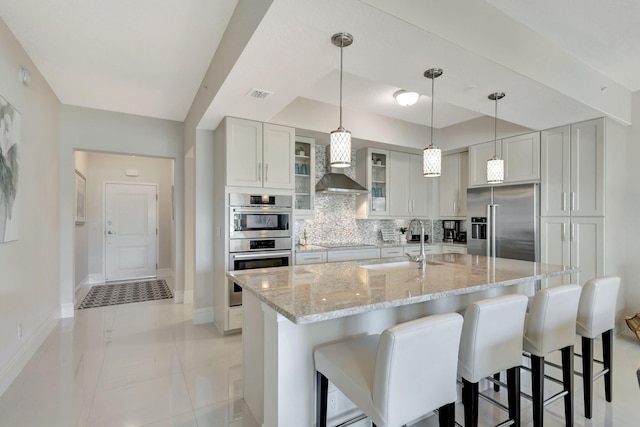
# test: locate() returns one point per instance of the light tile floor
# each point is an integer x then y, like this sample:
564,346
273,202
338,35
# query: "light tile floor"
146,364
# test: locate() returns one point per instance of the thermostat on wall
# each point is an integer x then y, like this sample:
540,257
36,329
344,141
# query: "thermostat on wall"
132,172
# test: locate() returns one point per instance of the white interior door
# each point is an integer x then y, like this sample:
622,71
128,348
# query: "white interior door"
131,223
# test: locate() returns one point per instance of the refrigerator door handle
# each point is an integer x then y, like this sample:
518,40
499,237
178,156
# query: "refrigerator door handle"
494,215
489,230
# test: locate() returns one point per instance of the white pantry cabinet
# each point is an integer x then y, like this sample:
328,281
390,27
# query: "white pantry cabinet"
259,154
573,242
521,155
573,172
453,185
409,191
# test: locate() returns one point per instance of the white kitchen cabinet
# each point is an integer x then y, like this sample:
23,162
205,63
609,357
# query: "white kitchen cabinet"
409,191
577,242
572,170
235,317
372,171
305,177
453,186
414,250
521,155
316,257
259,154
352,254
393,252
454,249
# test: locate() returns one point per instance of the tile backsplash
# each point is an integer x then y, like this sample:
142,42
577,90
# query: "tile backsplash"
335,220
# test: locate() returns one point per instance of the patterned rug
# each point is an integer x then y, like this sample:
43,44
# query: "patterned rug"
125,293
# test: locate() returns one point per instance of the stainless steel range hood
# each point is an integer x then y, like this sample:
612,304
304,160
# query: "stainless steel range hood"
338,182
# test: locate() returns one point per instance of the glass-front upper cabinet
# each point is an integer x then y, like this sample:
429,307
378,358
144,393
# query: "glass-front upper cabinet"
372,171
305,173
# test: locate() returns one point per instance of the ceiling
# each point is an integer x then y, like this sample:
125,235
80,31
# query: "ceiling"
558,61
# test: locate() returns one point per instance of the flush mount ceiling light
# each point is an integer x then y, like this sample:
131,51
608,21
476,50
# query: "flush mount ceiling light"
495,165
432,156
406,98
341,138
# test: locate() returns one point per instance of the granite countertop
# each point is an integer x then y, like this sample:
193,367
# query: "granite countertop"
313,293
346,246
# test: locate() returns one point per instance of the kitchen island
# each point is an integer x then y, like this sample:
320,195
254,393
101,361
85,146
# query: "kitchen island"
289,311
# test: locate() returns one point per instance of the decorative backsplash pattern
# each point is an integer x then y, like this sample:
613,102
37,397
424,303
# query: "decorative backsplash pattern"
335,220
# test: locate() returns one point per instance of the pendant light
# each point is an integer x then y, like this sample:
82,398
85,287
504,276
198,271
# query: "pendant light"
432,155
495,165
341,138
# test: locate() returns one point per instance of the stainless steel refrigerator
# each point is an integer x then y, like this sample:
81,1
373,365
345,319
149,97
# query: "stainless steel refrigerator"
504,221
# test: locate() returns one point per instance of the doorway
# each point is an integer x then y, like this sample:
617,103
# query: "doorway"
131,231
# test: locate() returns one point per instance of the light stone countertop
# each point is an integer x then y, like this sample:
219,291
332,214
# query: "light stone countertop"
313,293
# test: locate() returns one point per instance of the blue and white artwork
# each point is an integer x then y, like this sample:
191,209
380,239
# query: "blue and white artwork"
9,171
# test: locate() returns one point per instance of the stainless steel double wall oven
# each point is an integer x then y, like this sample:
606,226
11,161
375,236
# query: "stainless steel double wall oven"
259,236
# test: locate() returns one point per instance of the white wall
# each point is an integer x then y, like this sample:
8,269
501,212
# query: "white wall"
81,231
30,266
111,168
632,203
109,132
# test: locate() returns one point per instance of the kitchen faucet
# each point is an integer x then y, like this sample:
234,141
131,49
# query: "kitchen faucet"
422,258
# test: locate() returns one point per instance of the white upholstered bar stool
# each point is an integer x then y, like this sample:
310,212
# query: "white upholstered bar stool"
397,377
550,326
596,316
491,342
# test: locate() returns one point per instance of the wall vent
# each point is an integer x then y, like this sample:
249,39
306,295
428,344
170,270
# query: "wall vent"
258,93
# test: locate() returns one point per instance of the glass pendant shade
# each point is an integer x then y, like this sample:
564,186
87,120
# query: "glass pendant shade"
495,170
431,161
340,148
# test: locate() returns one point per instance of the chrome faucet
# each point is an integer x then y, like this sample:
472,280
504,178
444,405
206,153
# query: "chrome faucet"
422,258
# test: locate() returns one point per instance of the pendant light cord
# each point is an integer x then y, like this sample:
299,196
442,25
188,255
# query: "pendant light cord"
432,96
495,130
341,48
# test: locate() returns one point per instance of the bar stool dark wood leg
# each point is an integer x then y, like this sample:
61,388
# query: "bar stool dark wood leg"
513,388
470,401
587,375
537,387
567,379
322,393
607,358
447,415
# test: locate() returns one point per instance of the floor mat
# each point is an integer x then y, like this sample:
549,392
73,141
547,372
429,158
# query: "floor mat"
125,293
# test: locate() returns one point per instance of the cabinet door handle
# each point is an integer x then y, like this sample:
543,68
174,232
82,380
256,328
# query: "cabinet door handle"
573,201
455,211
564,201
266,172
564,232
259,171
573,232
409,206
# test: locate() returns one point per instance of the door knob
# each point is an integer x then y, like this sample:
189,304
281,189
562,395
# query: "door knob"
110,232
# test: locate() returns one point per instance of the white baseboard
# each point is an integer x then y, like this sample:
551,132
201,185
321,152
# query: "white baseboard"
178,297
12,369
67,310
164,272
95,278
202,315
188,297
82,283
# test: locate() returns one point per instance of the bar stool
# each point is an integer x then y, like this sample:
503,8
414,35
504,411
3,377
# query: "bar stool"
550,326
491,342
396,377
596,316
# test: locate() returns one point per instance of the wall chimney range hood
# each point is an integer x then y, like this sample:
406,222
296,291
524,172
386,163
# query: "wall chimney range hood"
338,182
